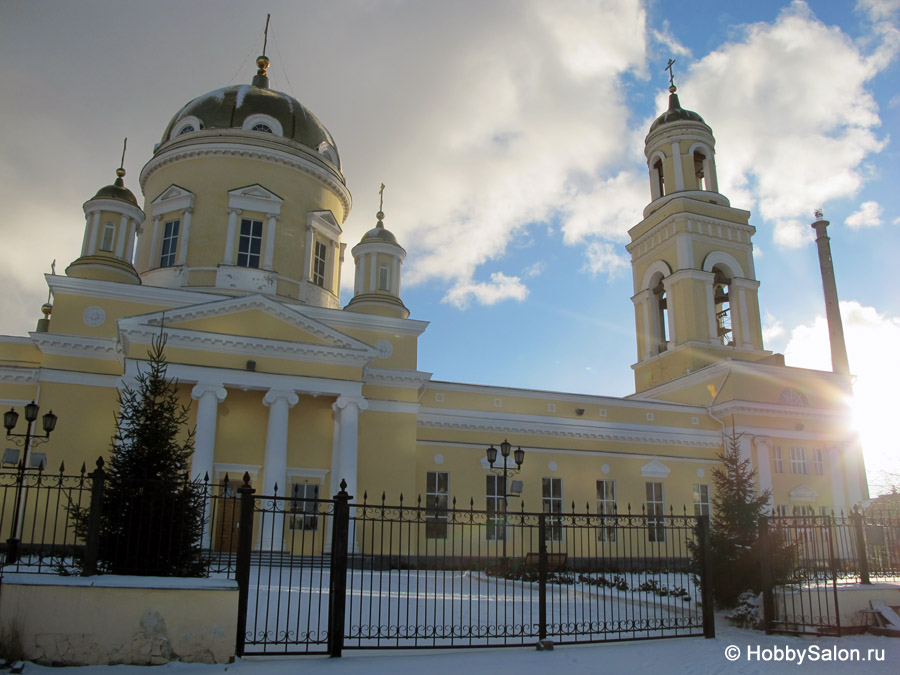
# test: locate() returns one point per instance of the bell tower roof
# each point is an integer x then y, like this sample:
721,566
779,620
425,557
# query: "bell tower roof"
675,113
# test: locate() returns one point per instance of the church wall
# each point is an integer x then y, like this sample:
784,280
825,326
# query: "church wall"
69,314
241,430
387,456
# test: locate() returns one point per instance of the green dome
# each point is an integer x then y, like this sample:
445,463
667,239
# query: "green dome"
229,108
676,113
116,191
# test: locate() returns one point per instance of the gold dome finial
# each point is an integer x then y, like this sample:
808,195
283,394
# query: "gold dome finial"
261,79
380,214
120,172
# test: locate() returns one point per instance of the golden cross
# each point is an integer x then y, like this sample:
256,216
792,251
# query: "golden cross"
381,201
671,72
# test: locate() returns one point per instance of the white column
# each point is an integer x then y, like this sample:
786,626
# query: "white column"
270,241
679,169
129,247
154,251
123,236
279,402
764,467
835,467
346,410
208,397
92,246
373,273
307,260
395,277
87,234
183,238
229,236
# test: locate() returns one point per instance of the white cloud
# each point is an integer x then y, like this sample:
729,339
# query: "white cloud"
792,138
534,270
871,346
869,215
500,287
665,38
773,329
603,259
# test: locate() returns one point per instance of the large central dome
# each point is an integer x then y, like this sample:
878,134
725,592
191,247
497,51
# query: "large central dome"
254,107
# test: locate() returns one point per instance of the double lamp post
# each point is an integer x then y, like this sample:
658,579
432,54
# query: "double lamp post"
506,471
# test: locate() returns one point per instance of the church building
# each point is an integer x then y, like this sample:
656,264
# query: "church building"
235,251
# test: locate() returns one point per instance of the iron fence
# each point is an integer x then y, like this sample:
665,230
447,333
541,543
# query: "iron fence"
807,558
50,524
345,575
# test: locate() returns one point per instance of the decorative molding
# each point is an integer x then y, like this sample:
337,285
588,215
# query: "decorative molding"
384,348
655,469
295,158
274,395
738,407
19,375
173,199
431,418
254,198
803,493
93,316
395,378
203,388
78,346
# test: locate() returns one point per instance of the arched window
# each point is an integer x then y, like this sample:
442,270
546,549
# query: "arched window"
661,322
699,170
660,178
265,128
384,278
109,233
722,300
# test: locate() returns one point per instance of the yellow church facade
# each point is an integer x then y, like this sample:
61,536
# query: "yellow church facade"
236,255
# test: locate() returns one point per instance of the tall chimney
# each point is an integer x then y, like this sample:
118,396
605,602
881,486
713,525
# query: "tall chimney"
839,361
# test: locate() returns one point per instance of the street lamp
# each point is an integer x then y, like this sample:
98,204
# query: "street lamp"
506,471
26,440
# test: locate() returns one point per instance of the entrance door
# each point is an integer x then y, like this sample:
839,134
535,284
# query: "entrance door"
228,516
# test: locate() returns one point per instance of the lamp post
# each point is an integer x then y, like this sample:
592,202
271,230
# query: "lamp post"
26,440
506,471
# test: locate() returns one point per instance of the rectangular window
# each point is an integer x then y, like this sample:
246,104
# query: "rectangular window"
496,508
109,232
656,525
319,264
384,278
249,243
437,492
169,243
303,511
819,462
606,506
701,499
10,457
777,459
798,461
553,505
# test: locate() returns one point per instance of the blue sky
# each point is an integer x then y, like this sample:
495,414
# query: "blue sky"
510,138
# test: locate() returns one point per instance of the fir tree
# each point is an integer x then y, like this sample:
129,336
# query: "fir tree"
734,545
152,514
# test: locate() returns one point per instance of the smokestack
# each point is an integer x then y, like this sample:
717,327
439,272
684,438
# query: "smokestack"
839,361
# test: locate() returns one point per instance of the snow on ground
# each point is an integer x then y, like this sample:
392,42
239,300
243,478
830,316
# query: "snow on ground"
674,656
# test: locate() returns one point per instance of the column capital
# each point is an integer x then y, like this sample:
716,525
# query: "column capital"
236,212
274,395
204,388
188,209
762,441
343,401
273,216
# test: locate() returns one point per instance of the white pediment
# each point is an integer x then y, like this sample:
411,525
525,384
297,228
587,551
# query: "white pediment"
325,223
255,198
803,493
173,198
655,469
313,341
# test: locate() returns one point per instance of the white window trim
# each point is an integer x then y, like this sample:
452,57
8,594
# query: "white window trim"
259,118
190,120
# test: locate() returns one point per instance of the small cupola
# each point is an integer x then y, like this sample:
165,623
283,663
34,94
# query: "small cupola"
680,151
378,258
112,220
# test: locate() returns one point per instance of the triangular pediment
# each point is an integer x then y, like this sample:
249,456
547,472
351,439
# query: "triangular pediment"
173,198
655,469
252,325
255,198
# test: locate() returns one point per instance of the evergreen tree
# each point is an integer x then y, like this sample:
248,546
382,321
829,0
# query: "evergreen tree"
734,529
152,513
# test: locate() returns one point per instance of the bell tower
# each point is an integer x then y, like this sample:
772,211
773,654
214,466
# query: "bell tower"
695,288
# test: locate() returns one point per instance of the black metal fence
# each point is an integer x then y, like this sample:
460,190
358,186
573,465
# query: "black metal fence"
806,559
50,524
342,575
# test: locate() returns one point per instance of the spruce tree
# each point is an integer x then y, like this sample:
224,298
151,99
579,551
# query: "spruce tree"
152,513
734,528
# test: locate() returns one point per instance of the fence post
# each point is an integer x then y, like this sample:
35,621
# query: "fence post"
242,567
542,577
706,572
861,552
337,596
12,544
766,564
92,537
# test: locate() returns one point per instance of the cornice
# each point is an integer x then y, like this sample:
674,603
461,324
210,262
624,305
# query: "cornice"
380,377
18,375
432,418
112,290
738,407
75,345
221,146
245,346
681,222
